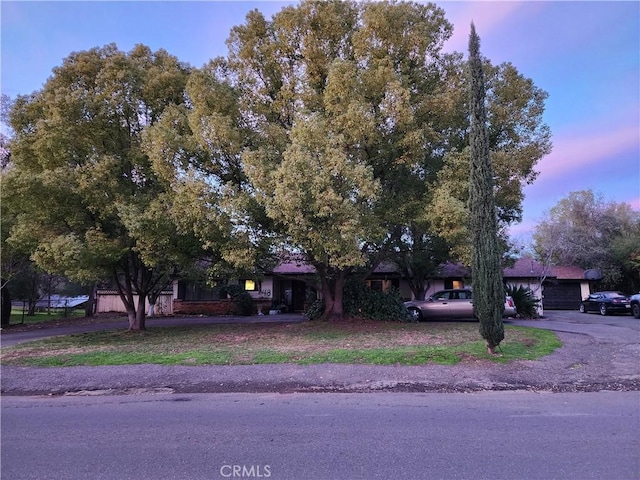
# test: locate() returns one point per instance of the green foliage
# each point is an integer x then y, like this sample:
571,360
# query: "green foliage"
315,310
362,302
324,130
86,197
243,302
488,295
526,302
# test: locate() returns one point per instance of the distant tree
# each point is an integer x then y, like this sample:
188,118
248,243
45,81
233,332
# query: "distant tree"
8,259
585,230
488,289
86,199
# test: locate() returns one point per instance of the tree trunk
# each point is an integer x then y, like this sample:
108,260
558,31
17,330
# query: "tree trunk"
333,294
131,314
153,299
6,305
419,289
140,318
135,313
89,306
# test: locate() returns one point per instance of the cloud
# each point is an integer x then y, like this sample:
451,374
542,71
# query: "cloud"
572,153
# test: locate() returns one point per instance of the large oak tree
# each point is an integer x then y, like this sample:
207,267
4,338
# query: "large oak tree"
340,128
88,203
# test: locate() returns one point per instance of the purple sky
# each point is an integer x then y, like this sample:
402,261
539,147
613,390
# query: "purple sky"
586,55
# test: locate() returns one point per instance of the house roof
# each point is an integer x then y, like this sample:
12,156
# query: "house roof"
525,267
299,267
567,272
294,267
454,270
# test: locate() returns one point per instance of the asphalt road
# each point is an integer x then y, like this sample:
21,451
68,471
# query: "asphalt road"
487,435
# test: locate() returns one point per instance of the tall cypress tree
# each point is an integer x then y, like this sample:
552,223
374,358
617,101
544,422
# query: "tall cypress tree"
488,291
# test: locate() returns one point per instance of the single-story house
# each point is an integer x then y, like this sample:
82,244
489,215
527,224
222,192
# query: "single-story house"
284,289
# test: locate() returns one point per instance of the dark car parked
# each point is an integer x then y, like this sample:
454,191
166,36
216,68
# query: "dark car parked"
606,303
635,305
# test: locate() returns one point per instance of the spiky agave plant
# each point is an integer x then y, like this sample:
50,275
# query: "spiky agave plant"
525,301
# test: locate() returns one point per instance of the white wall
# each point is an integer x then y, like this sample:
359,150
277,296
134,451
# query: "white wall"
107,302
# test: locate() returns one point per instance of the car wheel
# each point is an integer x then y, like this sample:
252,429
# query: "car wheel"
416,314
635,309
603,309
582,309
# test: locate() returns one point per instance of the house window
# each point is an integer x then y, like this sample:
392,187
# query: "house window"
250,285
383,285
453,284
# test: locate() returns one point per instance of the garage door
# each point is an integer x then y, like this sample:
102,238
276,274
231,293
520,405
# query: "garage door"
562,296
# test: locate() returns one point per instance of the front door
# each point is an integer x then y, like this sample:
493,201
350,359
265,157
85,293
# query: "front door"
299,291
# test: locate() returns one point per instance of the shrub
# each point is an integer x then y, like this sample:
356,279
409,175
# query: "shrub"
361,301
526,302
243,303
315,310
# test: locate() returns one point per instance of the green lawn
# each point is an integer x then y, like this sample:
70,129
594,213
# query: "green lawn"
19,316
379,343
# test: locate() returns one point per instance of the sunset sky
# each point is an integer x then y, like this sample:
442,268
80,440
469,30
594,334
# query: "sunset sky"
586,55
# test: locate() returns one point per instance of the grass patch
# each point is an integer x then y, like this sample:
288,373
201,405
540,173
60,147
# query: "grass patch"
376,343
386,356
521,343
20,317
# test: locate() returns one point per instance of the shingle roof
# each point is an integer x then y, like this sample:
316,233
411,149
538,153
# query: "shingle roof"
292,267
525,267
567,272
454,270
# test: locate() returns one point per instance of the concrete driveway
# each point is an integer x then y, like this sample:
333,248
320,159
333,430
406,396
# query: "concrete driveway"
620,328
